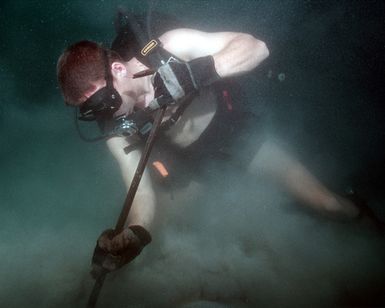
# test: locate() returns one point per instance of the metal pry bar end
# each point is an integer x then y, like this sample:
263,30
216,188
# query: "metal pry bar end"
143,73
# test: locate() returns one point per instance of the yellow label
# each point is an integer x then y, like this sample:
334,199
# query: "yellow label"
149,46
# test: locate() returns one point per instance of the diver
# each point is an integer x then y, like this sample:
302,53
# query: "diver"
89,73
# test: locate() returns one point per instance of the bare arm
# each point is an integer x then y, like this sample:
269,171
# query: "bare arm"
234,53
143,208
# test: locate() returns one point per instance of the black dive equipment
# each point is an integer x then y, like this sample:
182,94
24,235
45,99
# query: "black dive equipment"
104,102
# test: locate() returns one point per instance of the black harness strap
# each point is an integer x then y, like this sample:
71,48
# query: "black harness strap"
177,114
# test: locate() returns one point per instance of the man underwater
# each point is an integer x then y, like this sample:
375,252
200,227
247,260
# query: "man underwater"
205,60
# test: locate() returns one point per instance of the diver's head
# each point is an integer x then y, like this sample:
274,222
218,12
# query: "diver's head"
80,69
89,75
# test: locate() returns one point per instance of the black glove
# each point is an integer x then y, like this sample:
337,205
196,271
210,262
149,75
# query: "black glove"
177,79
120,249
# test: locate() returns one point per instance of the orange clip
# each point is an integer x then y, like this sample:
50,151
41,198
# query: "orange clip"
160,168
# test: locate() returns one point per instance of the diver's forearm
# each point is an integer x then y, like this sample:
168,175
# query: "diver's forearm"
143,210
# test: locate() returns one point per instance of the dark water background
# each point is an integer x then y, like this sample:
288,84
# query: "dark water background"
239,242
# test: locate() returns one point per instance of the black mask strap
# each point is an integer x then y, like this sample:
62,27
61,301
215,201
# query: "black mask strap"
107,70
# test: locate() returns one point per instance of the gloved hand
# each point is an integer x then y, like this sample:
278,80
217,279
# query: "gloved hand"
177,79
113,250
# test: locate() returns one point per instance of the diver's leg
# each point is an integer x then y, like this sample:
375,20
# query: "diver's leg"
274,162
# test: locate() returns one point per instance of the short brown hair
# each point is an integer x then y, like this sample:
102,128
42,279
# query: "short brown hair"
80,65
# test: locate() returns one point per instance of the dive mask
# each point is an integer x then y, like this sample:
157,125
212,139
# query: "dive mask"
102,104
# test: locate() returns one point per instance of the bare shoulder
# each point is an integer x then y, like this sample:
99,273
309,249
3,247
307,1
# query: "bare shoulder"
190,43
